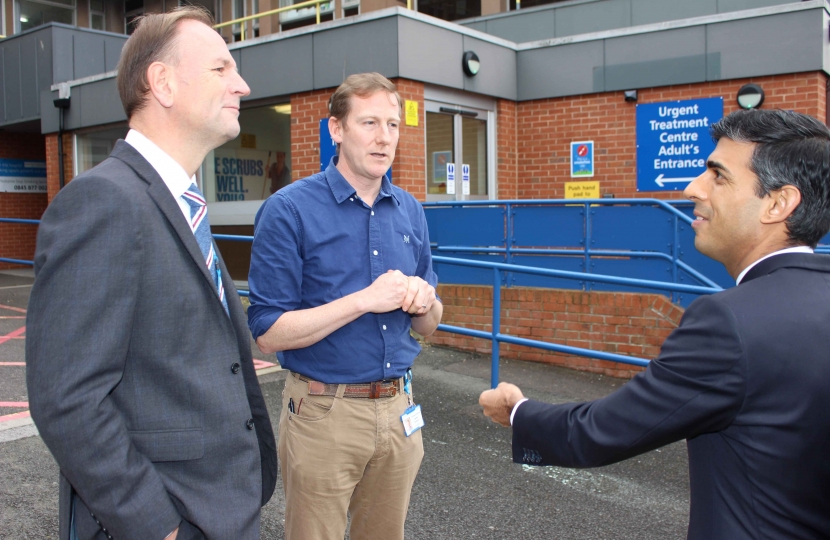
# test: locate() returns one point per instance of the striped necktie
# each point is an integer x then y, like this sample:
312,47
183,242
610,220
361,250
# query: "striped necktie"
201,230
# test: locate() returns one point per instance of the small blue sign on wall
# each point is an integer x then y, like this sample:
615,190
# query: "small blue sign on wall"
582,159
328,148
673,142
22,176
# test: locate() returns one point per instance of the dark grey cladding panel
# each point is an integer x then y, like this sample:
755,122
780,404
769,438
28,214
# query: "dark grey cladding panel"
112,51
430,53
89,55
93,104
656,59
63,66
481,26
12,81
279,67
593,17
725,6
497,77
357,48
29,90
532,26
564,70
653,11
44,61
99,103
784,43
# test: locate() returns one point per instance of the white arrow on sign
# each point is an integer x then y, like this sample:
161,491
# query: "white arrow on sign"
660,181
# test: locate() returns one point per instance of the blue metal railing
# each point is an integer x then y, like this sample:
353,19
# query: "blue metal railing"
495,335
564,233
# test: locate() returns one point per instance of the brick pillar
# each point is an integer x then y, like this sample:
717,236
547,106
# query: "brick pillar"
52,175
409,168
17,241
506,150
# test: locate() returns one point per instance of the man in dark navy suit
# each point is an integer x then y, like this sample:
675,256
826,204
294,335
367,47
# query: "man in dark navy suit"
745,378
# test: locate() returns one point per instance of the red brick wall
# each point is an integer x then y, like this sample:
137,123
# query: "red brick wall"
17,241
622,323
546,127
408,170
52,163
507,149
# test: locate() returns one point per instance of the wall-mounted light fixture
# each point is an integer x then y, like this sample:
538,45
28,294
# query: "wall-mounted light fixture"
750,96
630,95
470,63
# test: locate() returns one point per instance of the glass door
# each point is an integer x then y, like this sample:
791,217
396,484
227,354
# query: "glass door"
460,147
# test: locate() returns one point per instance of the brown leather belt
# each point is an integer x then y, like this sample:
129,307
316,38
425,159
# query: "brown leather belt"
371,390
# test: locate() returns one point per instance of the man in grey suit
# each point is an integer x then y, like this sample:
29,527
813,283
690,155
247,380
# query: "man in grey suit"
139,366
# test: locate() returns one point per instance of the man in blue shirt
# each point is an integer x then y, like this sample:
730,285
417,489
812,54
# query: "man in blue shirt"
340,271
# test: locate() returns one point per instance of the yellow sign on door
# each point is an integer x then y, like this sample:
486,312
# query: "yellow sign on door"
582,190
411,112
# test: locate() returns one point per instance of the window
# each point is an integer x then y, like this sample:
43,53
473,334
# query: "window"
93,147
243,8
97,19
255,164
133,9
32,13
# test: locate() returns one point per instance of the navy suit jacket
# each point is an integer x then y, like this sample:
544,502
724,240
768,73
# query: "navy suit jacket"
745,379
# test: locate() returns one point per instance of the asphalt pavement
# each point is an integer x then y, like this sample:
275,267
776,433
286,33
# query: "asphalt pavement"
467,487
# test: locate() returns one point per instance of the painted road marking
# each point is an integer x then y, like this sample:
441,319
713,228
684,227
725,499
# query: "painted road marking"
12,308
15,416
12,363
13,335
15,404
12,317
14,287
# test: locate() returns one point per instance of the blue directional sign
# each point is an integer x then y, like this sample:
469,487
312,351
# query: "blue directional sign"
673,142
328,148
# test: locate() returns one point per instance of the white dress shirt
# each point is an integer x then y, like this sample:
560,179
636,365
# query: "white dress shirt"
173,174
797,249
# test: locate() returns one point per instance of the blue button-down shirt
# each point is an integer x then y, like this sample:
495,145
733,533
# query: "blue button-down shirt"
315,241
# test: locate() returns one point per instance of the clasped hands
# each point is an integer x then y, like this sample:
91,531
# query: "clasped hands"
395,290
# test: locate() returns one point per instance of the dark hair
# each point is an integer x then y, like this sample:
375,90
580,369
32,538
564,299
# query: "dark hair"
153,41
791,149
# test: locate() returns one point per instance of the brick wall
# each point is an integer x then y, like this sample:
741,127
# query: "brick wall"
17,241
507,149
622,323
52,163
546,127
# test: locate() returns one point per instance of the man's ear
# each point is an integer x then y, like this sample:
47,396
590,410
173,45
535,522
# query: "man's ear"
162,83
335,130
782,204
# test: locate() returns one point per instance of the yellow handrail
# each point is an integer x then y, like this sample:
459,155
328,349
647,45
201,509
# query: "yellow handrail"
308,3
300,5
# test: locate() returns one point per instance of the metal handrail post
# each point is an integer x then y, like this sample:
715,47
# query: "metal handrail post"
494,360
588,231
675,249
317,6
508,243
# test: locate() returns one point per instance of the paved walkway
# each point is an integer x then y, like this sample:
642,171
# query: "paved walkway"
467,487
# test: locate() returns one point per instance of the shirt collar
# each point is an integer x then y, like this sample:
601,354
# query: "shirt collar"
797,249
168,168
342,189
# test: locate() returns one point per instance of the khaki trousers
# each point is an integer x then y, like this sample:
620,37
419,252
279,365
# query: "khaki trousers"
345,455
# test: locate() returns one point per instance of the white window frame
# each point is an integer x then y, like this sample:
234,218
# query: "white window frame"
103,15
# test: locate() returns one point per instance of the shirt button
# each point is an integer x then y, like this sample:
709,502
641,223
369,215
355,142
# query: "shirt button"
351,199
235,368
384,327
373,212
250,423
388,365
375,252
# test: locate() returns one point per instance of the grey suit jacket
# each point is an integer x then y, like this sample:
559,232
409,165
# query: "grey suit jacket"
140,384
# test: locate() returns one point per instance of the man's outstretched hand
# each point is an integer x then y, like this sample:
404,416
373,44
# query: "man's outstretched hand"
499,402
